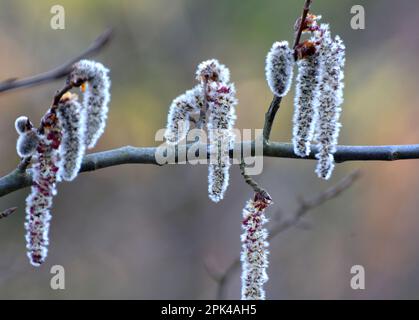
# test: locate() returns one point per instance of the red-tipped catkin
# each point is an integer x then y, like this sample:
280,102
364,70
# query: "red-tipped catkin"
22,124
178,119
254,255
39,201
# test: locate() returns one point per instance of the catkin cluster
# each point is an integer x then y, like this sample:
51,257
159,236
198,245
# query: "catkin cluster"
318,92
57,148
215,98
254,255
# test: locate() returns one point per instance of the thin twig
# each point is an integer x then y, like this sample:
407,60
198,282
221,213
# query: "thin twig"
252,183
59,72
25,162
204,109
306,10
304,208
59,94
23,165
7,212
270,117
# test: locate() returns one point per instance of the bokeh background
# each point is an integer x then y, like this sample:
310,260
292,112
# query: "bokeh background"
147,232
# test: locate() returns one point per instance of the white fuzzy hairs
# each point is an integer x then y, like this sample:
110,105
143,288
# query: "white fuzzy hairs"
279,68
220,125
178,118
96,97
254,254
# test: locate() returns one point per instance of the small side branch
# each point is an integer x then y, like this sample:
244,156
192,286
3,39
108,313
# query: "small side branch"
252,183
299,32
270,117
306,205
59,72
7,212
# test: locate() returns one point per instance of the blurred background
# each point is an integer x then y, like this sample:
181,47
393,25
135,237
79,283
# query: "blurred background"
147,232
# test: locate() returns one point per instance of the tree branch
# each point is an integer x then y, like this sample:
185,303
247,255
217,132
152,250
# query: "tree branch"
130,155
306,205
299,32
59,72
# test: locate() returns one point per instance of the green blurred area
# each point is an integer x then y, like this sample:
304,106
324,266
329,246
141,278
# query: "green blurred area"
143,232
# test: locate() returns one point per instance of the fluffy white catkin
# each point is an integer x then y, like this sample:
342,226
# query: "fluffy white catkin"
22,124
96,97
212,70
72,118
331,98
27,143
39,201
221,105
254,255
279,68
178,118
306,103
28,137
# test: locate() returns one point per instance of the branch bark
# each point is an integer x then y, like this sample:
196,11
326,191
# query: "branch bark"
19,179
